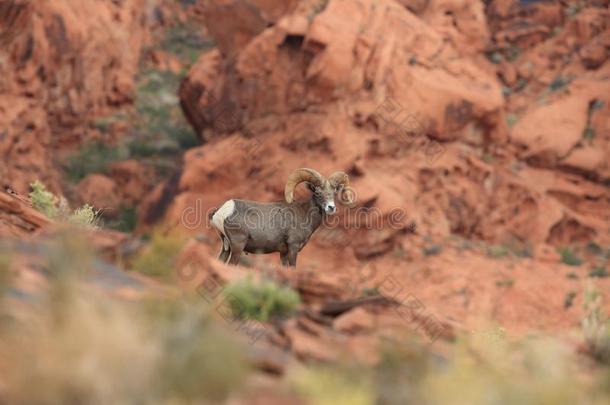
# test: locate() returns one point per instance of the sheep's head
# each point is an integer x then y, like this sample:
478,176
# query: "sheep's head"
323,190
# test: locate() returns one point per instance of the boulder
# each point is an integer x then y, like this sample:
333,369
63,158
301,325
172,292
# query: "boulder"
348,50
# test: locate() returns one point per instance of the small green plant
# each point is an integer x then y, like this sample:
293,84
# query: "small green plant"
505,283
588,133
432,250
466,245
599,271
594,248
43,200
186,42
559,83
370,292
329,385
569,257
262,300
572,275
126,221
511,120
497,251
597,104
495,57
85,216
159,257
57,207
569,299
595,326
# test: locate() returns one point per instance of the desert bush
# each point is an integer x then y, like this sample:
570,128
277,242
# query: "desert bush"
599,271
569,257
330,385
159,257
432,250
186,42
126,221
87,347
85,216
43,200
93,157
482,368
260,300
57,207
595,326
497,251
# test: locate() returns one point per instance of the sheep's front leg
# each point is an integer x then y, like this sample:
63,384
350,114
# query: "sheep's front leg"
284,258
292,256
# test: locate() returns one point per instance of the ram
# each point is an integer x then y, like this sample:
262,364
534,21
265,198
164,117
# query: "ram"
283,226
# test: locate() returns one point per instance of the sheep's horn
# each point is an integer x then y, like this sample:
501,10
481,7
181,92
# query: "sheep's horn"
341,179
298,176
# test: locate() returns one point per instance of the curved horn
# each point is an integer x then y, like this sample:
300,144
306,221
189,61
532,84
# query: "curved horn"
341,179
298,176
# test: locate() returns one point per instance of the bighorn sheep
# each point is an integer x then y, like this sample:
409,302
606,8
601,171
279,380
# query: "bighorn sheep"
283,226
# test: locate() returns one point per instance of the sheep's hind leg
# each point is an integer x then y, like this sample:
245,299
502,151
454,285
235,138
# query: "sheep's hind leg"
237,247
225,250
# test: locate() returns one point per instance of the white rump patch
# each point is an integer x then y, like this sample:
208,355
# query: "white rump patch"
218,219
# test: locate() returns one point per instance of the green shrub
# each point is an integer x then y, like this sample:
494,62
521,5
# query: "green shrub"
261,301
495,57
328,385
569,299
85,216
199,359
505,283
594,248
126,221
96,349
159,257
432,250
559,83
595,326
588,133
186,42
43,200
599,271
162,129
497,251
569,257
57,208
94,157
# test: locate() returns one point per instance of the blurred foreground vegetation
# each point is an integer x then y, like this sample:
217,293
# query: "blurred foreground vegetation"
76,342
